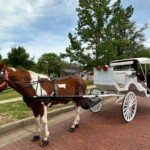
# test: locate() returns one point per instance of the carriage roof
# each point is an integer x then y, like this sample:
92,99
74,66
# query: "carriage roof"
141,60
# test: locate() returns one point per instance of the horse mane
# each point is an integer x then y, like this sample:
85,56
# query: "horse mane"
38,74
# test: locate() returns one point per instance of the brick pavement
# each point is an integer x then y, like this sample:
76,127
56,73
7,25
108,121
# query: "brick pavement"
105,130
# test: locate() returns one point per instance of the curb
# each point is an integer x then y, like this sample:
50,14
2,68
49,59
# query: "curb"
28,121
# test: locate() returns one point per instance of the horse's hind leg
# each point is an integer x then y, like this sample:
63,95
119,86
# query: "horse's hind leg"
77,119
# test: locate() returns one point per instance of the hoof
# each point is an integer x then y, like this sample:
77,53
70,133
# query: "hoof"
77,126
71,129
44,143
35,138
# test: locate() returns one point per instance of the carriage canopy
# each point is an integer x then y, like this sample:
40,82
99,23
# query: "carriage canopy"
130,61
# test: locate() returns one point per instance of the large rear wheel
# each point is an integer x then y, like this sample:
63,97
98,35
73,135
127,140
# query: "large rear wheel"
129,106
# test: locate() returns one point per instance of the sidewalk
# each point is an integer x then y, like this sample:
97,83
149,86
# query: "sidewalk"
22,130
11,100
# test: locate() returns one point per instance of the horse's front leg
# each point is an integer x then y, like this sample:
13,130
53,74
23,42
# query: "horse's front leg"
37,122
77,119
45,142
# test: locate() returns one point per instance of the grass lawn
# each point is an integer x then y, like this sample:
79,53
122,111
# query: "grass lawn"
18,110
12,94
89,82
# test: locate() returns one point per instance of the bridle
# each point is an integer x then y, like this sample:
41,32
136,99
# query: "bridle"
4,75
6,82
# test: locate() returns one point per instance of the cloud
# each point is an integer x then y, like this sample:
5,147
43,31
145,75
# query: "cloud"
39,25
19,13
46,43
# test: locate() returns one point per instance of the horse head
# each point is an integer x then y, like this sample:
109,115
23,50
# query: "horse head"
3,77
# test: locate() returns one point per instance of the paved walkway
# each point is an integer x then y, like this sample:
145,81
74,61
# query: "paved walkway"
11,100
105,130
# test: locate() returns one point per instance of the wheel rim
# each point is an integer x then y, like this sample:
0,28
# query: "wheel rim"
129,106
96,108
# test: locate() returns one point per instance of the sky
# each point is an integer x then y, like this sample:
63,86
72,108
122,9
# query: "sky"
42,26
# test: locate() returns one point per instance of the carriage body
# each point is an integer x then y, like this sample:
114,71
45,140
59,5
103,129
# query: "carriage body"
126,79
125,75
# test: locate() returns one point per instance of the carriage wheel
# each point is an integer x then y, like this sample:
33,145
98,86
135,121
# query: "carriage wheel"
96,108
129,106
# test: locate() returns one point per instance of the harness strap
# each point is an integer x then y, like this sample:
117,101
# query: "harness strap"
55,93
55,87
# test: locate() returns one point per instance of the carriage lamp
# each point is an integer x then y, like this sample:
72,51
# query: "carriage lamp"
105,67
98,68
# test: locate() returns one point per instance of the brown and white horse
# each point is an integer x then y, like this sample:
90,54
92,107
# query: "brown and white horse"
23,81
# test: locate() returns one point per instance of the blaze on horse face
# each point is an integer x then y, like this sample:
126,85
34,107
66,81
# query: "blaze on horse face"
3,84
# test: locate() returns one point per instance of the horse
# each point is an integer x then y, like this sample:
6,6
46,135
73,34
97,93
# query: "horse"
30,84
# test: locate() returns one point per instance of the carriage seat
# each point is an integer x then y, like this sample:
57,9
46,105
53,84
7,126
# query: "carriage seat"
140,77
148,80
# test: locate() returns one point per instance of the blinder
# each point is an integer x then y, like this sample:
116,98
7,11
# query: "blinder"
4,75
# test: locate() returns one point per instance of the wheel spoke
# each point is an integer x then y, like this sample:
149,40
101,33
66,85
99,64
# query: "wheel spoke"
96,108
126,112
125,108
126,104
134,102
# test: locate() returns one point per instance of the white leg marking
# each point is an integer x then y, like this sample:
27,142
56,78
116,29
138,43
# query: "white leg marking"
44,123
77,117
37,122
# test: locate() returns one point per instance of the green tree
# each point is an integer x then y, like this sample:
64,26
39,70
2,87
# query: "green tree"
18,58
50,63
104,33
122,31
145,52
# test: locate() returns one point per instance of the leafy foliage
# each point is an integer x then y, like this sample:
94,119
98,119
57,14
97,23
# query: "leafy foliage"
104,33
50,63
143,53
18,58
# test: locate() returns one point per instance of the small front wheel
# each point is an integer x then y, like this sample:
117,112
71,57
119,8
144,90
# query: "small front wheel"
96,108
129,106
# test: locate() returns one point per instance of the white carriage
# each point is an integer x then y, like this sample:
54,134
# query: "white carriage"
124,80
